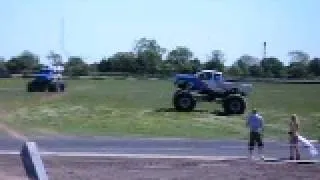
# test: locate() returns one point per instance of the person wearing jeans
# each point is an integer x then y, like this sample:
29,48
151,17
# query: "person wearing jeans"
255,123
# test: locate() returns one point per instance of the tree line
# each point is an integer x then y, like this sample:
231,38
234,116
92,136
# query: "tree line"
148,57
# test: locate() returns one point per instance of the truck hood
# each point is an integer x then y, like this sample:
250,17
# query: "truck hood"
184,77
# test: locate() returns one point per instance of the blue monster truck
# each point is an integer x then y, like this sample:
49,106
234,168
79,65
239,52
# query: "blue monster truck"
46,80
209,86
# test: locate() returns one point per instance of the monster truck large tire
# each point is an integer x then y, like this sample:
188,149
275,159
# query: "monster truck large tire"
234,104
184,101
61,87
41,86
53,87
30,87
34,86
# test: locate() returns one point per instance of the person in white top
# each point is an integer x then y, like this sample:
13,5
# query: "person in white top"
255,123
294,127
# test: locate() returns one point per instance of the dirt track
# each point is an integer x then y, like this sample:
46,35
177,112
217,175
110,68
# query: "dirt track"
11,168
143,169
98,168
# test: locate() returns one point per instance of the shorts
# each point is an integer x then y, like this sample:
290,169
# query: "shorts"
293,139
255,138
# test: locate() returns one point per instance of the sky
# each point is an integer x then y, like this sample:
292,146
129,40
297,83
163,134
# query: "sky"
99,28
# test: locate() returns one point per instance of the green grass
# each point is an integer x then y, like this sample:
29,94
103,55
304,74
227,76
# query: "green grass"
142,108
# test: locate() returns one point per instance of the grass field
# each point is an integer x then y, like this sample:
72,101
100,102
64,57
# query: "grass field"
143,108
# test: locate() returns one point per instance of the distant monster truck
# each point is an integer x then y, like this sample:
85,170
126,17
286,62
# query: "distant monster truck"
46,79
210,86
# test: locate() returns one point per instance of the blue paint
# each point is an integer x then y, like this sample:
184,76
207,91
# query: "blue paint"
193,79
45,74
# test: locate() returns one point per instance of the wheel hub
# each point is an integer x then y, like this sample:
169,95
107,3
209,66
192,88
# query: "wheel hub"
185,102
235,106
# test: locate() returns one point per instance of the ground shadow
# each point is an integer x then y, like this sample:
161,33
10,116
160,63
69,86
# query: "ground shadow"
219,113
215,112
174,110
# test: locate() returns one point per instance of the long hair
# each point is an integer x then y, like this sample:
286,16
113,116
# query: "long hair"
295,120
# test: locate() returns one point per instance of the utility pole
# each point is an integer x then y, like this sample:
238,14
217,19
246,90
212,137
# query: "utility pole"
264,50
64,54
62,38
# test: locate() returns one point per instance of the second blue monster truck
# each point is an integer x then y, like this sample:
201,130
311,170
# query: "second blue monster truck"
209,86
46,80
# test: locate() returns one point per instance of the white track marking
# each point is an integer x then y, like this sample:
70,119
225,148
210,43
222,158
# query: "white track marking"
8,152
143,156
106,149
140,156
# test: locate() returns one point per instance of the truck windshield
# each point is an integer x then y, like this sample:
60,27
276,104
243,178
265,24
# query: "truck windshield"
217,77
207,76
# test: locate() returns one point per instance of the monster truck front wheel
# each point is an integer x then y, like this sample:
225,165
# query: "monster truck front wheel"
183,101
234,105
53,87
30,87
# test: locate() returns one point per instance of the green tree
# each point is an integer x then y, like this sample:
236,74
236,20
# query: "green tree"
180,59
272,67
3,68
256,71
297,70
244,63
166,68
234,71
149,55
93,67
195,65
123,62
216,61
314,66
26,61
180,54
55,58
3,65
298,67
75,66
105,65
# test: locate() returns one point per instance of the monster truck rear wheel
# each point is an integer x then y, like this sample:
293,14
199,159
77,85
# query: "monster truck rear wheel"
234,105
61,87
183,101
41,86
